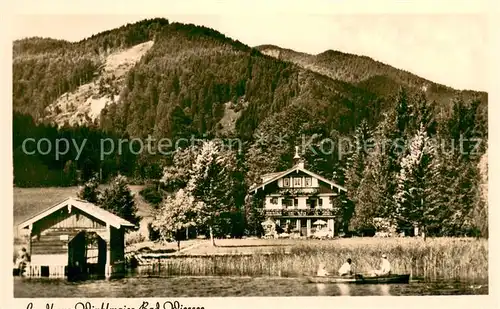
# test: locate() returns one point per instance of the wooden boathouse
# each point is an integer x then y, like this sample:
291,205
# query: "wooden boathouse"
75,237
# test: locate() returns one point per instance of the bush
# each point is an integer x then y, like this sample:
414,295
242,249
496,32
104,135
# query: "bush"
151,195
134,238
154,235
118,199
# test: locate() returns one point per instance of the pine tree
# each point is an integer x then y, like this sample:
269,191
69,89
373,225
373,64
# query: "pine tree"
480,211
357,159
460,168
372,199
119,200
355,167
417,199
423,114
375,190
89,191
403,113
70,172
177,175
209,183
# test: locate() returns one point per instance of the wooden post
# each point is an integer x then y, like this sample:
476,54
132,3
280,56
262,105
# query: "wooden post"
331,226
29,239
212,239
107,271
308,227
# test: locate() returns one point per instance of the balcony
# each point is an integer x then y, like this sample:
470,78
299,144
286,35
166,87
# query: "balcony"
298,191
294,212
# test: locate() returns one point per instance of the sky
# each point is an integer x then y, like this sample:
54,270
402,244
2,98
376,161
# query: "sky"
450,49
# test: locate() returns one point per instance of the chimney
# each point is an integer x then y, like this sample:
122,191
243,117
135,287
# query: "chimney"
297,160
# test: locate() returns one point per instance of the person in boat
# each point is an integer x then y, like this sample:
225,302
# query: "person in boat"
322,272
345,269
385,267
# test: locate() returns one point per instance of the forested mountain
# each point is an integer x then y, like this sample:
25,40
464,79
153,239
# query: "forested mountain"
45,69
172,80
368,73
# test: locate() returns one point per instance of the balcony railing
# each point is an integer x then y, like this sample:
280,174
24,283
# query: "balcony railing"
298,191
299,212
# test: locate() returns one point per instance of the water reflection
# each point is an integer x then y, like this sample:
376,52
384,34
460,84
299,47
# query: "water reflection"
385,289
344,289
321,289
223,287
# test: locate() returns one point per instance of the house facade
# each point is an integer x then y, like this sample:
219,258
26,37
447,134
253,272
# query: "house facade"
75,236
298,199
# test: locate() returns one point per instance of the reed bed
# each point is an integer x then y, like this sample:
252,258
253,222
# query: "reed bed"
443,258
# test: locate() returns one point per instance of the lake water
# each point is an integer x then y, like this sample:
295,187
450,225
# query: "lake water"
231,286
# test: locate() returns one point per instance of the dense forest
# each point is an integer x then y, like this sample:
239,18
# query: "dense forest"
196,82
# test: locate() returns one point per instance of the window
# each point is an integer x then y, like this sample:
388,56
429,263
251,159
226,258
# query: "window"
320,202
311,203
287,227
274,200
308,181
297,182
292,225
296,202
286,182
283,224
287,202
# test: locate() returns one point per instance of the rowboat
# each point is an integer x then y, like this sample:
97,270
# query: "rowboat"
359,279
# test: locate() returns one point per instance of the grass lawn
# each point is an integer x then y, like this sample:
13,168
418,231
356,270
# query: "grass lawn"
251,245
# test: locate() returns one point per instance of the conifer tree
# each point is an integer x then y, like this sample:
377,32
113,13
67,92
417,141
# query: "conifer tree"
459,168
480,212
89,191
210,182
417,200
355,168
357,160
372,198
119,200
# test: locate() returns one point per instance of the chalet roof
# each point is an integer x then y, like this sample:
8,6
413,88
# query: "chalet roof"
84,206
268,176
297,168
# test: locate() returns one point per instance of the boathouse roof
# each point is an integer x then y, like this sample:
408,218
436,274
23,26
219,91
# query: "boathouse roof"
85,206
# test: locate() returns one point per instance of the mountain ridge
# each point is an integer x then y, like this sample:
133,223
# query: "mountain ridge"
322,62
192,45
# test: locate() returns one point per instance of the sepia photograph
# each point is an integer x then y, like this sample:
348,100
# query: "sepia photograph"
225,155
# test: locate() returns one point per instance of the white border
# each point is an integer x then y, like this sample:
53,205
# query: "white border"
488,8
